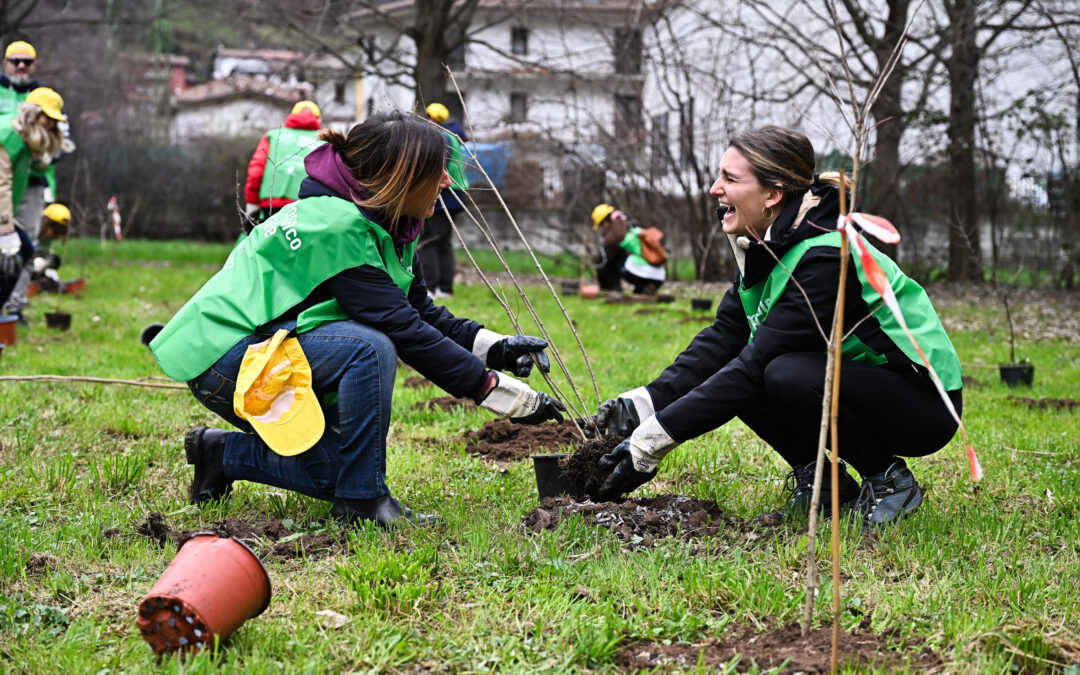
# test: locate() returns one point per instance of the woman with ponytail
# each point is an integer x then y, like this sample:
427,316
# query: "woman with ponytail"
763,359
296,340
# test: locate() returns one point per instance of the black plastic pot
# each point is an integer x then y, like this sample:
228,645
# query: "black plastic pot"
665,298
1014,374
570,287
61,320
149,333
550,481
701,304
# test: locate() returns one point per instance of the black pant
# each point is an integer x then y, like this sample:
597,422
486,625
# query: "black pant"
642,286
609,272
436,251
883,414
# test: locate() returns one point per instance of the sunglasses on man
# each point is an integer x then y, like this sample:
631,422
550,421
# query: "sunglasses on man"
21,62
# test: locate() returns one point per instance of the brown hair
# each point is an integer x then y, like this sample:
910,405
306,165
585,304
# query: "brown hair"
389,154
784,158
39,139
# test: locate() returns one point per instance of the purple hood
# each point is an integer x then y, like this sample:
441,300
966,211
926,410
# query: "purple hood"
326,166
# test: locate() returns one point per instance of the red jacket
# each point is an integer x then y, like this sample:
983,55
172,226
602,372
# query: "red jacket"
305,119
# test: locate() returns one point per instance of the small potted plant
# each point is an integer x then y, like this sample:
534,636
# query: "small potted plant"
1015,372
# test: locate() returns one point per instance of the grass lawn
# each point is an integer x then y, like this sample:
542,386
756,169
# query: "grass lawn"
988,581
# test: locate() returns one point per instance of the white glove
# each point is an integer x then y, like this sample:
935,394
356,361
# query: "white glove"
40,265
10,243
52,274
251,209
642,402
516,400
483,341
649,444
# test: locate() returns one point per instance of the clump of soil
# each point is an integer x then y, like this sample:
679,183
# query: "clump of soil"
768,650
1046,403
445,403
582,469
269,538
637,522
506,441
417,382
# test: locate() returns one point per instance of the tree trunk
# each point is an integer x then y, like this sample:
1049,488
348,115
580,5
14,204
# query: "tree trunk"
963,68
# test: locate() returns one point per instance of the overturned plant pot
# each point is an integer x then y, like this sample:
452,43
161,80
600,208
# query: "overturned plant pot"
1014,374
75,285
61,320
590,291
570,287
212,586
701,304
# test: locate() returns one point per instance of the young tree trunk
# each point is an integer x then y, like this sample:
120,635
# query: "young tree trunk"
962,66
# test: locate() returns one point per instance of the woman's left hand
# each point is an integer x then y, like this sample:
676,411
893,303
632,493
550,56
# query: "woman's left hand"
515,354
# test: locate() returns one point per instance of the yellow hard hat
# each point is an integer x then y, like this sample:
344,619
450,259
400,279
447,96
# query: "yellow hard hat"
438,112
49,101
307,105
20,47
58,213
600,213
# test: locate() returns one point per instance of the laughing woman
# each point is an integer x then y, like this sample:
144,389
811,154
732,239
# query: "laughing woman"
763,360
296,340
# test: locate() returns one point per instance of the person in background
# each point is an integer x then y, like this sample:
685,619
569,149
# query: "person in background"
623,253
437,241
276,170
45,265
33,130
296,339
763,359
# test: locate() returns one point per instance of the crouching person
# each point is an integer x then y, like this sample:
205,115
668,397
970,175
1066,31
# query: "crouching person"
295,341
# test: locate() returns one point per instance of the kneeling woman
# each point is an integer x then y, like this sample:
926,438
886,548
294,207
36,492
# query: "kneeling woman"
309,315
763,360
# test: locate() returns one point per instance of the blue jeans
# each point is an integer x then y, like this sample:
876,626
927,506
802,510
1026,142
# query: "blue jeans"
353,361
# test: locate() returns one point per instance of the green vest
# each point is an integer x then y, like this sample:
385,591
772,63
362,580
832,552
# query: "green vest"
284,169
455,165
20,159
918,312
631,243
271,271
10,100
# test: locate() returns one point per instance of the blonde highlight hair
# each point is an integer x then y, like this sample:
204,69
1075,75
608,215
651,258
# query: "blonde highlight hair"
784,158
40,139
389,155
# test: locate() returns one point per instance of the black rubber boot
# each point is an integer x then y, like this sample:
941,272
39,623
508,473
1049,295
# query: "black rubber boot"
889,496
384,511
205,449
799,485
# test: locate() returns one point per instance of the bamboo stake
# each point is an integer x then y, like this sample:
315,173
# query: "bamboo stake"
98,380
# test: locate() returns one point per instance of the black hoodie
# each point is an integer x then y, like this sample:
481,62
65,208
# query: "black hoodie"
720,370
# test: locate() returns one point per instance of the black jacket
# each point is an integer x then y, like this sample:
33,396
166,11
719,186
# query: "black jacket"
427,336
720,370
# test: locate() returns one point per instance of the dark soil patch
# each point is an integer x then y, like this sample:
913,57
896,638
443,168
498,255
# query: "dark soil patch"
768,650
505,441
417,382
446,403
970,382
637,522
582,469
1046,403
697,318
268,538
648,310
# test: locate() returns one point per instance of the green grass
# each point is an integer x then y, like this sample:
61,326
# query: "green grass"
980,578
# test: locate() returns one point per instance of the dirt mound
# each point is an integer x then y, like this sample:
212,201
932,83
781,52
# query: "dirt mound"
637,522
505,441
1046,403
697,318
446,403
416,382
771,649
269,538
582,469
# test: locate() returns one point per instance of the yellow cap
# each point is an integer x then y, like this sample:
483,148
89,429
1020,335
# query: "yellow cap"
58,213
599,213
20,47
438,112
307,105
274,393
49,101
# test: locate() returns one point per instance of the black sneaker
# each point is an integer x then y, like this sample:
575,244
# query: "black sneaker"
799,485
205,450
888,496
384,511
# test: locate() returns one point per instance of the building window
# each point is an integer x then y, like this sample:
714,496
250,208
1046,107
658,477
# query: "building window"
628,125
519,105
519,41
627,51
339,92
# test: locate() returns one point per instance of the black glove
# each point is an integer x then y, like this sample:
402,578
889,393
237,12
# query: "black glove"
547,408
625,478
616,417
11,265
515,354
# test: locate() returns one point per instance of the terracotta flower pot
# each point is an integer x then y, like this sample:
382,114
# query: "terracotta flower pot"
590,291
32,289
7,328
550,481
213,585
61,320
75,285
